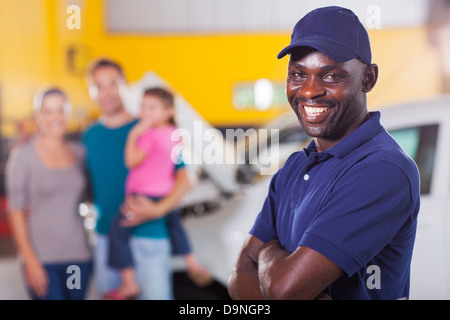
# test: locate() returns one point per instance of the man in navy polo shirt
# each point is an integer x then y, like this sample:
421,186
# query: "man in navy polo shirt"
340,217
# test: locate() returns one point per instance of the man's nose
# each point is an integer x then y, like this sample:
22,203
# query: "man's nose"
312,88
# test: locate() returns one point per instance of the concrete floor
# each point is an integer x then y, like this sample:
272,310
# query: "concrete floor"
11,283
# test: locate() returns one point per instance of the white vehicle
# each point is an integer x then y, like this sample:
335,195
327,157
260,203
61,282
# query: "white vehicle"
423,129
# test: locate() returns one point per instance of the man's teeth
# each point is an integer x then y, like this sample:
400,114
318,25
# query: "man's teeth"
313,111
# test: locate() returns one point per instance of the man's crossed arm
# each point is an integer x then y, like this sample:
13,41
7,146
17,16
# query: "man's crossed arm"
267,271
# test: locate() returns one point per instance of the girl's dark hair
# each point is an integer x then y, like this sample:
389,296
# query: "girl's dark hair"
166,97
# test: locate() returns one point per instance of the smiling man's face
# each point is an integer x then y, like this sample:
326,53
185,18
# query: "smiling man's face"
328,97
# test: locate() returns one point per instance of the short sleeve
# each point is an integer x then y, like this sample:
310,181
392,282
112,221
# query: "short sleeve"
363,213
17,176
180,163
264,227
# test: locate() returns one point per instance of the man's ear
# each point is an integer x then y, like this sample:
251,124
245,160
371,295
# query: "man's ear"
370,77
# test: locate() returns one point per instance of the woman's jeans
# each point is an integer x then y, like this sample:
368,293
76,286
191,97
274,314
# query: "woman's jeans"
67,281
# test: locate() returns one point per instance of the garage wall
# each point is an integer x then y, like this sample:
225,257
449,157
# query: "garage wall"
229,16
38,48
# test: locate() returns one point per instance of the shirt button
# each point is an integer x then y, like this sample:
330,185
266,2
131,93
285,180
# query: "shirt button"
306,177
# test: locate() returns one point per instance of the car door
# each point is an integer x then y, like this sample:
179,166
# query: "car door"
423,133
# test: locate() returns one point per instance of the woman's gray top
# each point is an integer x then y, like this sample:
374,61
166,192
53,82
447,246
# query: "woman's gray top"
50,198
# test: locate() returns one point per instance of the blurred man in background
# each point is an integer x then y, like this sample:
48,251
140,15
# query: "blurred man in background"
105,143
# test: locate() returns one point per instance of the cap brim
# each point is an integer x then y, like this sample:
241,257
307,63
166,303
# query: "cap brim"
333,50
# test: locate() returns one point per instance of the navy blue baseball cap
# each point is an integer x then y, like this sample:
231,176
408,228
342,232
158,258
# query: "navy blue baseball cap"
334,31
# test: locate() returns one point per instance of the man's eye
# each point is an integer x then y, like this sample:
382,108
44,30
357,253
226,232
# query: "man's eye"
297,74
332,77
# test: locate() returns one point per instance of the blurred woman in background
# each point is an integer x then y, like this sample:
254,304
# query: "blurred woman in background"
45,182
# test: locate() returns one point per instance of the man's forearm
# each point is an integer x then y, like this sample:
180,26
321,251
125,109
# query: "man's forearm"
303,274
244,283
271,270
182,185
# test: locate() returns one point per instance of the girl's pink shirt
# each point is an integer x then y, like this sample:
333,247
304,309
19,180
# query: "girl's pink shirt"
155,175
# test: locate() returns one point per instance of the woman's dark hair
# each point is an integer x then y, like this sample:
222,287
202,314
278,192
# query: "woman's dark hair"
166,97
40,96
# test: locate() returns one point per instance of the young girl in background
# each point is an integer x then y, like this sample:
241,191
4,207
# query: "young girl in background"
148,155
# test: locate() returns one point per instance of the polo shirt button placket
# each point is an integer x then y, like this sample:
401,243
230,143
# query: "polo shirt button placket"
313,160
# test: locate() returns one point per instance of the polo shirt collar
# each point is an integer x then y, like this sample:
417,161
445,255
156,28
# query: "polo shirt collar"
360,136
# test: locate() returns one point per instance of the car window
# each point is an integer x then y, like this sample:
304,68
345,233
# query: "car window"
420,144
